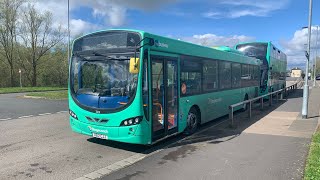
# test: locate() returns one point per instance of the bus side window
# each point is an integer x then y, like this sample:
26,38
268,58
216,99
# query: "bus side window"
210,75
191,71
224,75
245,76
236,75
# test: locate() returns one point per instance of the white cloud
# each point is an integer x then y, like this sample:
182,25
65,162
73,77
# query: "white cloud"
213,15
82,26
240,8
296,46
269,5
247,12
215,40
113,12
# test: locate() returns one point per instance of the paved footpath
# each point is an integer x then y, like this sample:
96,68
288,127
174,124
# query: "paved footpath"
272,145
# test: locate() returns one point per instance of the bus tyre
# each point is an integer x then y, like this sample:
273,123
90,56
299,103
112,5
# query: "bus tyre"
192,122
245,105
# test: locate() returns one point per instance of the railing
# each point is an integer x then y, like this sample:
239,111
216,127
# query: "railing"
283,93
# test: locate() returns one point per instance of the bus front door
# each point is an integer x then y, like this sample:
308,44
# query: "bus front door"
164,72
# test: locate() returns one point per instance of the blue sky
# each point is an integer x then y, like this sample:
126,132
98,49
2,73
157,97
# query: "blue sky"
217,22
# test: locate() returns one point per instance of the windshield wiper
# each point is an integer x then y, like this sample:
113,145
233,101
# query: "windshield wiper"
79,56
91,53
88,53
99,54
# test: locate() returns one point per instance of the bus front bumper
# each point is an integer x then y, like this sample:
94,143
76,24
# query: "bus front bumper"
128,134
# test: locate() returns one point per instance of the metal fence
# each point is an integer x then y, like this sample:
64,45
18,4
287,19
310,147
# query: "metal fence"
283,93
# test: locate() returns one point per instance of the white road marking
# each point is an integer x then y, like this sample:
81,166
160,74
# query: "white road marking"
61,112
6,119
25,116
44,114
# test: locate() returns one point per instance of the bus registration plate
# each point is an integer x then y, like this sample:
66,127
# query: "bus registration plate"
100,136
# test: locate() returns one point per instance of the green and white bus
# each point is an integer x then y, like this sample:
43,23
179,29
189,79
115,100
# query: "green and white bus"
274,64
135,87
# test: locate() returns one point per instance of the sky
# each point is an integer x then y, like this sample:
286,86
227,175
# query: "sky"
208,22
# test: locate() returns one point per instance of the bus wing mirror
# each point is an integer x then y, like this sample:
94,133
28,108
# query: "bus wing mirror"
151,41
134,65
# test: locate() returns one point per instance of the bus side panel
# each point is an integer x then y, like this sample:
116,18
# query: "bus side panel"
213,105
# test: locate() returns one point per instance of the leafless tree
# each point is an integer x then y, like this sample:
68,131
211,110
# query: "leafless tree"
8,26
38,36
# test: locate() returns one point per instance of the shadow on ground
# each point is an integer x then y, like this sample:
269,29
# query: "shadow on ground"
214,132
298,93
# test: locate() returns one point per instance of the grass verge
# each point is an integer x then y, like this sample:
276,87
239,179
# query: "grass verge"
56,95
28,89
312,170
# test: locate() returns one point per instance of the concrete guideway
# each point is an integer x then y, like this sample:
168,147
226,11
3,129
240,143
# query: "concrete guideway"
272,145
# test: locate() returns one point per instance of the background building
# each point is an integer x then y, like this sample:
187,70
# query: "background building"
296,72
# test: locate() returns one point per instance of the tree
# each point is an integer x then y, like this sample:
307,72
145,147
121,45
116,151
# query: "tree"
38,36
8,22
54,69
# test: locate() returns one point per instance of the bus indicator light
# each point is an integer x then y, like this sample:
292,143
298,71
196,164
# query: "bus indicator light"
131,121
72,114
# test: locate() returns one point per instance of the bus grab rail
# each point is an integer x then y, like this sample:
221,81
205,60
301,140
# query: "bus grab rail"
284,93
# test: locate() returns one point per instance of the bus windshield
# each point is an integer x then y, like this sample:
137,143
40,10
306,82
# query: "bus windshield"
257,50
101,82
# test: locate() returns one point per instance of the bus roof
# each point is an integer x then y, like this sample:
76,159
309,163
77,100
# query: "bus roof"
175,46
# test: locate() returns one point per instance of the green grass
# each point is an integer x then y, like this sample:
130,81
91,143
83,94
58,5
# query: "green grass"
56,95
28,89
312,171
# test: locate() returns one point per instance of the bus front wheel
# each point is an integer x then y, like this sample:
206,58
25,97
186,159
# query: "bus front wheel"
192,121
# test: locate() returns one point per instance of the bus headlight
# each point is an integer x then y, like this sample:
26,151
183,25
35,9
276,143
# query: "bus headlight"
131,121
72,114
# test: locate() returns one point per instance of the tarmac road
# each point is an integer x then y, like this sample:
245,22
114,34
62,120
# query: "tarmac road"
44,147
14,105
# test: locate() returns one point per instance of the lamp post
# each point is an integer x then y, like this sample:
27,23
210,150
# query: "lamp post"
315,61
316,54
20,78
68,31
306,86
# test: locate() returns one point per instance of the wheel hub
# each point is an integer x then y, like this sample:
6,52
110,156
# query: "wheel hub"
192,120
